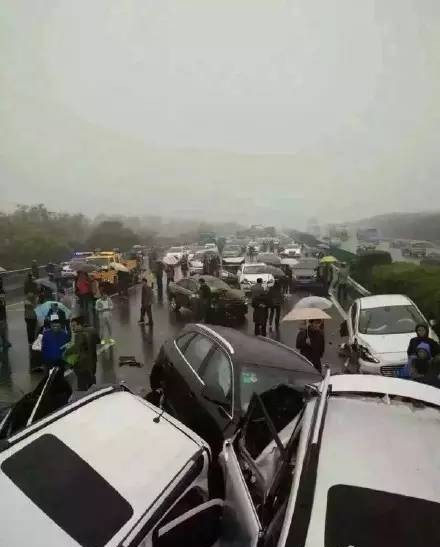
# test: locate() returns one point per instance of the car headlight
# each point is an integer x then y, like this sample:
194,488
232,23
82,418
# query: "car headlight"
366,355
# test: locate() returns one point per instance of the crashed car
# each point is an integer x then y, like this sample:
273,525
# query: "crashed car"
226,302
107,470
209,373
250,272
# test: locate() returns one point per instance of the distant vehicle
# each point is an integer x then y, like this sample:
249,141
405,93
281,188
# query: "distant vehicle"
87,447
249,274
197,260
398,243
369,235
338,232
365,248
226,302
305,274
209,375
211,247
233,255
379,330
293,250
416,249
80,256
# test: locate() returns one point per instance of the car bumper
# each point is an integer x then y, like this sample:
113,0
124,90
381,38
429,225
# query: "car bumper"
381,368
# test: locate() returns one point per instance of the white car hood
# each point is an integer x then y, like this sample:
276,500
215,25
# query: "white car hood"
386,343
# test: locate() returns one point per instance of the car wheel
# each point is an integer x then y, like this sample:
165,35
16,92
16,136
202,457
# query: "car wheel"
174,306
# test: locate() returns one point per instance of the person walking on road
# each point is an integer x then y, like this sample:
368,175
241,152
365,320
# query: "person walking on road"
4,342
311,343
343,274
184,265
83,291
260,304
204,300
52,345
146,302
104,307
158,272
170,274
35,270
275,300
29,285
30,317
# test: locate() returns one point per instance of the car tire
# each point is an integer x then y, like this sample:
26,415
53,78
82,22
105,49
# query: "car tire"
173,305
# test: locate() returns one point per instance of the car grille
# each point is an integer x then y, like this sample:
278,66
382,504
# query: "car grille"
391,371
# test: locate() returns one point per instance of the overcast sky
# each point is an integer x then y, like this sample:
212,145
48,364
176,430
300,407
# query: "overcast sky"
250,110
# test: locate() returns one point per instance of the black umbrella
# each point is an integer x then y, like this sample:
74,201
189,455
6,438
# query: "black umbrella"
86,267
269,258
276,272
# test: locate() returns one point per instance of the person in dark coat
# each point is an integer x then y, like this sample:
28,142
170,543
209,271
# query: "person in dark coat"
146,301
275,299
29,285
184,265
30,317
158,273
311,343
35,269
52,345
85,340
260,304
204,300
422,332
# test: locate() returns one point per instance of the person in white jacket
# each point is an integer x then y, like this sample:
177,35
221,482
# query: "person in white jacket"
104,307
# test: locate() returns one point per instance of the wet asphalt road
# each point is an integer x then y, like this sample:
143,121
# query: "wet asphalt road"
135,340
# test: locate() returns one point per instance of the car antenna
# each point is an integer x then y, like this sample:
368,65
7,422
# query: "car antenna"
157,418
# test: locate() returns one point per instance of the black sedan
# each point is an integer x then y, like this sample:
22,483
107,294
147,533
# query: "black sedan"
225,301
209,373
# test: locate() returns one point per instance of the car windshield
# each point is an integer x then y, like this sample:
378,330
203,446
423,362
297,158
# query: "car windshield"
362,516
99,261
389,320
215,283
258,379
254,269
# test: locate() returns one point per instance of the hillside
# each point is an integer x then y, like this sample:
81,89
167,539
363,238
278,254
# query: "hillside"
423,226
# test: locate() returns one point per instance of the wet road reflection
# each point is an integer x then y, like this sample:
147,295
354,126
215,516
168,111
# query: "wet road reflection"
139,341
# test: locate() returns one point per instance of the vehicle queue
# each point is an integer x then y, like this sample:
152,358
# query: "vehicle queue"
247,443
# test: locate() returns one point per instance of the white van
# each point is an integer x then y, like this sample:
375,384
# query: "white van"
107,470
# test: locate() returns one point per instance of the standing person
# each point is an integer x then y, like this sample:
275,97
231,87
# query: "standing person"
169,271
5,344
29,285
260,305
104,307
184,266
84,349
275,299
205,295
343,274
422,335
123,284
30,316
146,302
311,343
158,272
56,310
206,264
35,270
52,345
83,291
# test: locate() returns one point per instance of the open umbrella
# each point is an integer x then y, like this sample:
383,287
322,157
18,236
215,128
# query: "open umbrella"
119,267
314,302
328,260
306,314
86,267
46,283
170,260
269,258
289,261
42,310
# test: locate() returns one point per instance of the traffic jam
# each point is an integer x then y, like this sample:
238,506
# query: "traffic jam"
239,439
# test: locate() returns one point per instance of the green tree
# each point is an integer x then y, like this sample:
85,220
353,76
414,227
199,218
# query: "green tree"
111,234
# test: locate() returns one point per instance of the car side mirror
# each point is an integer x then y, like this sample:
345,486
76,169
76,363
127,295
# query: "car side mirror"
214,394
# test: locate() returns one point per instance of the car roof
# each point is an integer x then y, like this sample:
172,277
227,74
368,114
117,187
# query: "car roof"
257,350
371,444
381,300
116,436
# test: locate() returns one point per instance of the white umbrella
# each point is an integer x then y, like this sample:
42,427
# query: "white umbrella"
289,261
118,267
170,260
306,314
314,302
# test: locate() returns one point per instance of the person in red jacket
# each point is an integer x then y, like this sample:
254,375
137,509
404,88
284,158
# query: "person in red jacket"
83,291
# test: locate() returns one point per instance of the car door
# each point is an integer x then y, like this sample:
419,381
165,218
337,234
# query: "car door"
184,383
182,293
217,396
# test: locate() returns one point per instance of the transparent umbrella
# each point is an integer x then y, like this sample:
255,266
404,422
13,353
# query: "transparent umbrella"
314,302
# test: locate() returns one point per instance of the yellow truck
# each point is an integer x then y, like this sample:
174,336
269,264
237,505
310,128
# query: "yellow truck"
104,273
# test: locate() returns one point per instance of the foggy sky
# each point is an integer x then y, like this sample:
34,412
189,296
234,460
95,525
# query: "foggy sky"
247,110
